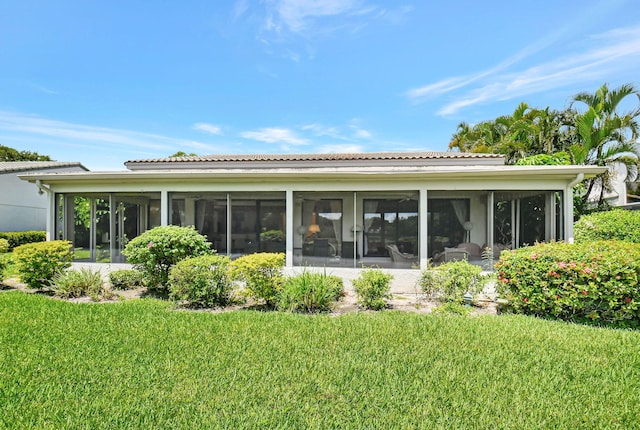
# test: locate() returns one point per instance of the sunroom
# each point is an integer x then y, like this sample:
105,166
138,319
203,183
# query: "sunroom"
391,210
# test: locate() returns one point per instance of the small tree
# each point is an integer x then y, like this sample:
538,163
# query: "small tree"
155,251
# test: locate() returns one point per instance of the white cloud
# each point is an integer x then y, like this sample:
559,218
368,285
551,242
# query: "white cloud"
323,130
362,134
274,135
297,14
90,144
616,51
208,128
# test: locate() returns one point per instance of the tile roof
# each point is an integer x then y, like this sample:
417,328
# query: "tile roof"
23,166
360,156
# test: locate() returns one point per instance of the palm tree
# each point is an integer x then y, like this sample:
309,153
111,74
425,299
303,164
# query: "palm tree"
604,136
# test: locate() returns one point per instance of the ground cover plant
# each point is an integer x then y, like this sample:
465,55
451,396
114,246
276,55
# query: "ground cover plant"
310,292
140,364
125,279
79,283
593,282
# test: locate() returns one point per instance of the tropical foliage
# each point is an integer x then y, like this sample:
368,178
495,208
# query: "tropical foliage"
593,130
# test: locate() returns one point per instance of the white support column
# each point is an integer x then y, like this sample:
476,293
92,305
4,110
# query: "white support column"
490,219
550,214
516,224
355,230
164,207
289,229
112,228
51,216
229,229
568,214
423,220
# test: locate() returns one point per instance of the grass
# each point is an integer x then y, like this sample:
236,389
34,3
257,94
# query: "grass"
140,364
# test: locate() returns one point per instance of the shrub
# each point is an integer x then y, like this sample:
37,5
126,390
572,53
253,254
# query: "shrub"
310,292
3,265
126,279
452,308
595,282
17,238
450,281
156,250
616,224
261,273
78,283
39,262
4,246
201,282
372,288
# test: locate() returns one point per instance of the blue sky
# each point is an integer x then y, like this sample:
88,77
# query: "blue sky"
103,82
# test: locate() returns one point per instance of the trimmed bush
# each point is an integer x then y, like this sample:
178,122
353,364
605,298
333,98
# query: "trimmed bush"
156,250
616,224
261,274
373,288
3,265
201,282
39,262
310,292
450,281
595,282
79,283
4,246
126,279
17,238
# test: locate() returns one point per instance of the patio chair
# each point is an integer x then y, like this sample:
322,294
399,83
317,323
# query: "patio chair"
401,257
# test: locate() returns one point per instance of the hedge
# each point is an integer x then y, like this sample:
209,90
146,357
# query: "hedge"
594,282
616,224
17,238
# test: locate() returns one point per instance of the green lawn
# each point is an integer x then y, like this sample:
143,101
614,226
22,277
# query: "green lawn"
140,364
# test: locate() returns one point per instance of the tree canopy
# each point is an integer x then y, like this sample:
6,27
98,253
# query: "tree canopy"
591,131
11,154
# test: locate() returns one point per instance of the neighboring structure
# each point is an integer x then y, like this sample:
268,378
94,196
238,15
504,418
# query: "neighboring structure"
333,210
22,206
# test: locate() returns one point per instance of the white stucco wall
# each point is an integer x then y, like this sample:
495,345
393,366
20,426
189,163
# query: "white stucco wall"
22,208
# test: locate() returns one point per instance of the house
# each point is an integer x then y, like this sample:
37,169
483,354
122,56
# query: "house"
394,210
23,206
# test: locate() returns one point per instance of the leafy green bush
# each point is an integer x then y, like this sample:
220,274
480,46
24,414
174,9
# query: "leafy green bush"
3,265
78,283
156,250
450,281
452,308
4,246
39,262
594,282
373,288
310,292
125,279
261,273
17,238
616,224
201,282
